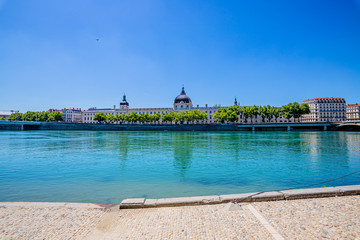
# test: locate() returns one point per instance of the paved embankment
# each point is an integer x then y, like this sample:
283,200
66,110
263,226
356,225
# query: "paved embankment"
315,218
315,213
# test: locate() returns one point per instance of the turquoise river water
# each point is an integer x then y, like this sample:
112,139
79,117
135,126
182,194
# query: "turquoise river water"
106,167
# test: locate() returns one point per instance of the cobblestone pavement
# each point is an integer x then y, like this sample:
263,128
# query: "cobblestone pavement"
320,218
317,218
189,222
47,223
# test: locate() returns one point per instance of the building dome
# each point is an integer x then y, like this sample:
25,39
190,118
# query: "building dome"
124,102
182,98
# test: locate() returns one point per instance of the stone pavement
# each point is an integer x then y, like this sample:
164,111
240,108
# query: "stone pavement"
317,218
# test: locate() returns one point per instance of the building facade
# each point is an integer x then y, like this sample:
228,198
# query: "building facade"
181,103
327,109
353,112
74,115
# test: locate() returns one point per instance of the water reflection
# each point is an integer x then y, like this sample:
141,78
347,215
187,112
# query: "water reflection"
183,145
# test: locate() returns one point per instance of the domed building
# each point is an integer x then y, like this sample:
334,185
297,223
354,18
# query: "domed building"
182,101
124,104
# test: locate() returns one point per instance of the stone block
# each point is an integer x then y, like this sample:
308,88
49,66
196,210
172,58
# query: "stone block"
349,190
132,203
244,197
267,196
150,203
311,193
188,201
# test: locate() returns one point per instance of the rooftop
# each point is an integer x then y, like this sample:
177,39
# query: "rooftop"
353,105
323,98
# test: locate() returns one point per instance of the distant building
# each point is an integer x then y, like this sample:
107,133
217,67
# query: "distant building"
54,110
72,115
6,113
181,103
327,109
353,112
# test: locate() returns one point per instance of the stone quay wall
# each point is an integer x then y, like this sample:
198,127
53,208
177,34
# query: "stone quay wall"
165,127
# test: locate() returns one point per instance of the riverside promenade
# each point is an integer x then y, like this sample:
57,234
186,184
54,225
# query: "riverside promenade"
309,218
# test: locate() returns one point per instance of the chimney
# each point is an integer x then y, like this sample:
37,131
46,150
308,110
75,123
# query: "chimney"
114,107
206,105
197,106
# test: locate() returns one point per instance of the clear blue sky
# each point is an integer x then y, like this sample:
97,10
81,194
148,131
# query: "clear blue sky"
263,52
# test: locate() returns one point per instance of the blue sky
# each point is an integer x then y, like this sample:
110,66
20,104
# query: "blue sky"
263,52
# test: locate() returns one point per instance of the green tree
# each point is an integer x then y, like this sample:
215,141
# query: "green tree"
245,112
287,111
11,117
203,116
274,112
132,117
2,119
232,116
157,117
56,116
177,117
233,113
235,109
294,110
167,117
221,115
30,116
305,109
110,118
263,112
254,112
100,117
43,116
120,118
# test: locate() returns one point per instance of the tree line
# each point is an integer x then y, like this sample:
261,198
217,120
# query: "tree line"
177,117
37,116
129,117
233,113
222,115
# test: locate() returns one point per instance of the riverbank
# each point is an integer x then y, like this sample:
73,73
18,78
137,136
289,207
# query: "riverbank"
312,218
22,126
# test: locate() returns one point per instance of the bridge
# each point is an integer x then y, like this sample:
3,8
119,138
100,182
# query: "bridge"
349,125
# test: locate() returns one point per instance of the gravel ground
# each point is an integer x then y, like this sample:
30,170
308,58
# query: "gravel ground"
319,218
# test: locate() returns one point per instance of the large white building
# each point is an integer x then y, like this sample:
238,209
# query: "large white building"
74,115
181,103
353,112
327,109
